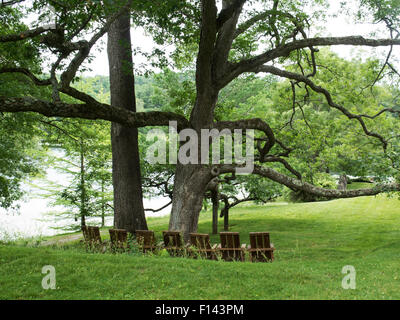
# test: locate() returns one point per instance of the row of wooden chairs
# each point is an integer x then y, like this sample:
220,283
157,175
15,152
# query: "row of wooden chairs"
230,249
92,238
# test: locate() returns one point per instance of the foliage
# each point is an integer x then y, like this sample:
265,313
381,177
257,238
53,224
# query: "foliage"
84,159
21,154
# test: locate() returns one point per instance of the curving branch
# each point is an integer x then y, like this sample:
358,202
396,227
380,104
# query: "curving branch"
270,14
9,2
255,124
328,97
284,50
85,46
298,185
269,139
285,164
29,74
92,111
159,209
28,34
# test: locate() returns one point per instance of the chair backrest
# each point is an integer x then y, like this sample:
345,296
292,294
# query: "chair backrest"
230,239
172,239
200,240
230,246
94,234
118,235
85,232
145,238
260,240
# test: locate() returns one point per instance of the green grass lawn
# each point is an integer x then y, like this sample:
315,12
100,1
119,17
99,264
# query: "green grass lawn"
313,240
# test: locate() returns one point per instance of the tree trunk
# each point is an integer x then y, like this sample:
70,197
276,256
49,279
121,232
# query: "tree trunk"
189,187
213,187
226,220
215,211
83,188
128,200
103,207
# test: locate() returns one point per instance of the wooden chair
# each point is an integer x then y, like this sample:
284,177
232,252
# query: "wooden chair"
95,238
146,240
85,233
230,246
119,239
202,245
260,248
86,236
173,243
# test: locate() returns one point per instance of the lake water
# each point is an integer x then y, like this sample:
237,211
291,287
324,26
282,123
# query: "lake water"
33,219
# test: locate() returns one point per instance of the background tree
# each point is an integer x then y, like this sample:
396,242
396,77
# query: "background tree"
128,196
81,153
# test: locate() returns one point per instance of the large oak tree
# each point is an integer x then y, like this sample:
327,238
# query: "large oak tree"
227,43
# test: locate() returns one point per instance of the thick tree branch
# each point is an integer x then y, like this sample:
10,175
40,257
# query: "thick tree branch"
24,35
206,94
206,47
9,2
284,50
92,111
85,47
225,36
255,124
298,185
229,11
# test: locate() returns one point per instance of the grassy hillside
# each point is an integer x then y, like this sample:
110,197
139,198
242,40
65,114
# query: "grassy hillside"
314,241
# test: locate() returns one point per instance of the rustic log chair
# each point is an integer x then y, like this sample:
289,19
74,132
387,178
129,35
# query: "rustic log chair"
86,236
202,245
146,240
118,239
85,233
95,238
260,248
173,243
230,246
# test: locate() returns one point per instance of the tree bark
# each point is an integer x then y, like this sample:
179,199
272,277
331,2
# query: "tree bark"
215,202
128,199
189,187
213,187
103,207
83,188
226,220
